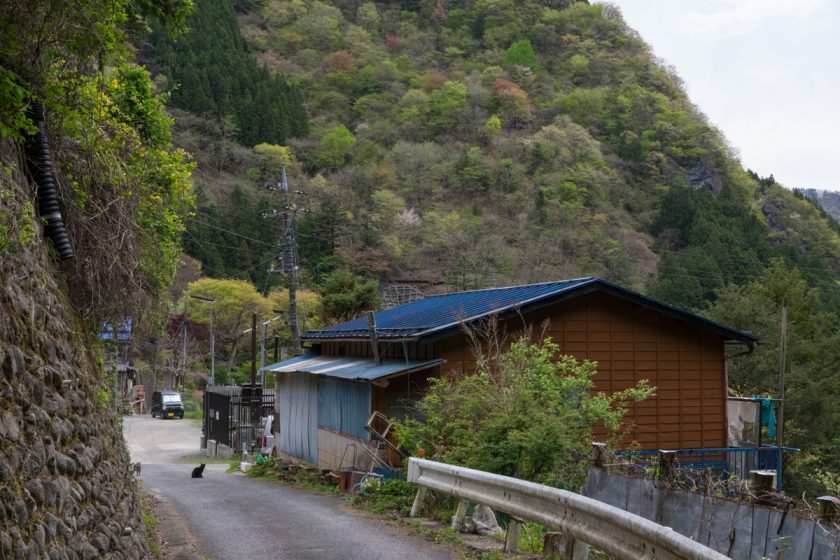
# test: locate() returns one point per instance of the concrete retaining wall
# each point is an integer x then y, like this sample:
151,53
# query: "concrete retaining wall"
738,529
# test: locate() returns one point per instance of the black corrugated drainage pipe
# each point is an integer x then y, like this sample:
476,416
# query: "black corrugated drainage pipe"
41,168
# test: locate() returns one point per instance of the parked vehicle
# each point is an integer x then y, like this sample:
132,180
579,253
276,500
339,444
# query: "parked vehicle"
267,445
167,404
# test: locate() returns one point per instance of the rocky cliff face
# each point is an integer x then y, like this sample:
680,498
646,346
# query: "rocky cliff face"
65,486
828,200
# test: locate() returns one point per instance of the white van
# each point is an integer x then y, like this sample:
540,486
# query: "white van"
267,443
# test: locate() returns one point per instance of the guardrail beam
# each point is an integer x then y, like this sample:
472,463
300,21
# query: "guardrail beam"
607,528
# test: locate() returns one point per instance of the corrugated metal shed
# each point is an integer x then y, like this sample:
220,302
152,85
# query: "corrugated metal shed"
354,369
439,313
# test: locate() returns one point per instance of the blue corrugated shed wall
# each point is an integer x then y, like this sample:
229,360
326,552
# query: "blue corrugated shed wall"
344,406
298,416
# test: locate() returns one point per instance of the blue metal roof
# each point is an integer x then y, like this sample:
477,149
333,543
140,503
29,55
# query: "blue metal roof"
439,313
352,368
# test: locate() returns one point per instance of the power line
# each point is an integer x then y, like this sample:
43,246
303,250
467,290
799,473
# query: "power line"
203,241
229,232
249,269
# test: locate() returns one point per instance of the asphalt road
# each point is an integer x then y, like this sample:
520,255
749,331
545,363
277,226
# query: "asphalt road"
234,517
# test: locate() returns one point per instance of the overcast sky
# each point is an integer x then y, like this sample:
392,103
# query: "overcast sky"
766,72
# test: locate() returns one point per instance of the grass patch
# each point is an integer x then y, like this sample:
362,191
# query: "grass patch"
294,474
192,408
390,497
196,459
233,463
148,520
150,523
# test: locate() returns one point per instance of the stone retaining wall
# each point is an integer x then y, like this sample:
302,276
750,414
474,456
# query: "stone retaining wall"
65,487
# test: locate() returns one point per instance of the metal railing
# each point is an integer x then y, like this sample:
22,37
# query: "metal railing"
233,416
614,531
722,463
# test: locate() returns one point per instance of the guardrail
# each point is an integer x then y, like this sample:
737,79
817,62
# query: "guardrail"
614,531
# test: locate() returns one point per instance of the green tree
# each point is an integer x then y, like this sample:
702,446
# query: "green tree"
216,74
813,357
527,413
335,147
345,296
235,300
448,106
521,53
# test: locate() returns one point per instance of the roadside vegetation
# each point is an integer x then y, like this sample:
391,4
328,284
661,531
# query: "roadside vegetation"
152,536
528,413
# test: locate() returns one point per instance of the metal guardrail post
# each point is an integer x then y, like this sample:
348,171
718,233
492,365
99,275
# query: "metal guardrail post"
418,501
580,551
512,536
460,515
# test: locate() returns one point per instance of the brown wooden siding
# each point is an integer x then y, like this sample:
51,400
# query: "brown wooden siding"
684,362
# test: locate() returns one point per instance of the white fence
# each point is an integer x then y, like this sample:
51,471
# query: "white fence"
614,531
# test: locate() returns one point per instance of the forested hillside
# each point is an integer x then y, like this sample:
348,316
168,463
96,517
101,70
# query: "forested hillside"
459,145
453,145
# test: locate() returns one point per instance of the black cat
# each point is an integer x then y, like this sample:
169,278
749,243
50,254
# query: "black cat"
197,472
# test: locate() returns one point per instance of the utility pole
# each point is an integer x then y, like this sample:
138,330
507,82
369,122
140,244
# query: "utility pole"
289,261
781,419
212,346
253,349
287,256
212,379
184,348
154,369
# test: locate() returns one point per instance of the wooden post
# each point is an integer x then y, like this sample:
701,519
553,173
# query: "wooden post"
781,420
599,454
762,482
666,465
829,506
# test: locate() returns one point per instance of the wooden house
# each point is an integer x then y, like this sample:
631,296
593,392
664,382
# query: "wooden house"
327,395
